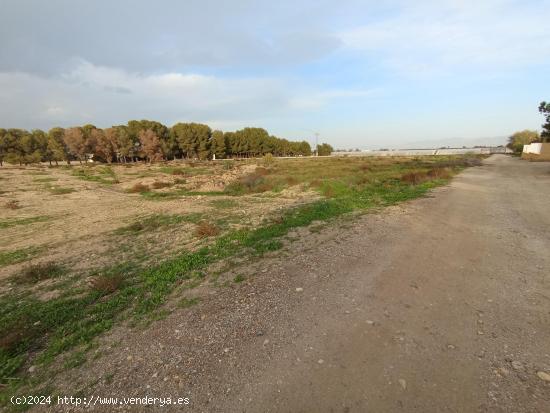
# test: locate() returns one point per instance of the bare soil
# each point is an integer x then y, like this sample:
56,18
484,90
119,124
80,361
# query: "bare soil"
438,305
78,226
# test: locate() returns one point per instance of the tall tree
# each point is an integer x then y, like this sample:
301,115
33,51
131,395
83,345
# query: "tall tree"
76,143
544,109
56,145
324,149
193,139
218,147
525,137
104,147
3,145
151,145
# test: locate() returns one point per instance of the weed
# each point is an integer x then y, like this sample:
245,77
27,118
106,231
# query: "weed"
13,204
224,203
414,178
138,188
268,159
228,165
13,257
154,222
238,278
47,179
171,170
59,190
103,175
11,222
106,283
188,302
38,272
205,229
161,184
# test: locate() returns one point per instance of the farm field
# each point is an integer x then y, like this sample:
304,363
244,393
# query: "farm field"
85,248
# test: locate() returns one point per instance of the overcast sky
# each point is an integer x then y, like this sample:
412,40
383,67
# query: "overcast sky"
363,74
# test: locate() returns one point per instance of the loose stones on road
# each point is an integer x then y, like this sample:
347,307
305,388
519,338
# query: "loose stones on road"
543,376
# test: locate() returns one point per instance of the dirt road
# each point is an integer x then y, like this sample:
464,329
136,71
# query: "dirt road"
439,305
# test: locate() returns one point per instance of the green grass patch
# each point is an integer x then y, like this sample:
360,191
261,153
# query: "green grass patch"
59,190
188,302
12,222
38,272
19,255
46,179
156,221
224,203
101,174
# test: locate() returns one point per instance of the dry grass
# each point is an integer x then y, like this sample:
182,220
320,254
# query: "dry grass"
439,173
414,178
11,337
138,188
161,184
106,284
205,229
38,272
13,204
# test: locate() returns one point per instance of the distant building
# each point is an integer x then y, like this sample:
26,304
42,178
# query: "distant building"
536,152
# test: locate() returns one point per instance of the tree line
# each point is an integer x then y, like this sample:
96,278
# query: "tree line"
143,140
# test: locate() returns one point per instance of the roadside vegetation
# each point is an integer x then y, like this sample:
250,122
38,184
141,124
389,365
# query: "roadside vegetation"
55,312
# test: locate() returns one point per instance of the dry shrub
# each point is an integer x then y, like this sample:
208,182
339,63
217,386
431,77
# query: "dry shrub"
414,178
268,159
178,171
12,336
365,167
161,184
362,180
261,171
316,183
290,180
473,162
38,272
137,188
13,204
251,180
106,284
329,192
439,173
205,229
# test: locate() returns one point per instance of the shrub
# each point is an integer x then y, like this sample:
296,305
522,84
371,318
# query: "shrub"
290,180
106,284
205,229
13,204
38,272
261,171
439,173
268,159
161,184
414,178
138,188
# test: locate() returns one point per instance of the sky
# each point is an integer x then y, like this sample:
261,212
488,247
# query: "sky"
366,74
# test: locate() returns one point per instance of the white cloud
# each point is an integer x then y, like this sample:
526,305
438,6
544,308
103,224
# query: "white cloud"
444,36
106,96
